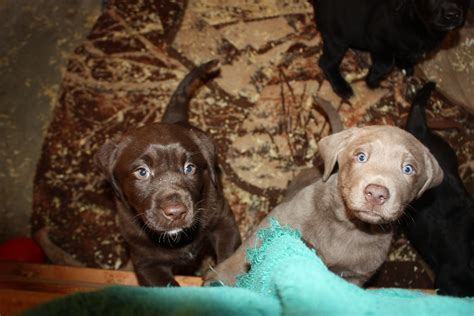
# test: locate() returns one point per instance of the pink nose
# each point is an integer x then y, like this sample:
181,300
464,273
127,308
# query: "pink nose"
376,194
174,211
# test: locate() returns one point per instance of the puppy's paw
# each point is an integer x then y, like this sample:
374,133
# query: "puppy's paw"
343,89
218,277
408,71
210,279
372,81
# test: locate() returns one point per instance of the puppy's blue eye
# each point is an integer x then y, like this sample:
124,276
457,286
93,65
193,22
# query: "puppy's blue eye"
408,169
189,168
361,157
142,173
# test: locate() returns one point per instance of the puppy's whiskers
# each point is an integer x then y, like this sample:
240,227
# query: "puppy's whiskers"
173,237
185,234
407,214
197,204
144,228
382,227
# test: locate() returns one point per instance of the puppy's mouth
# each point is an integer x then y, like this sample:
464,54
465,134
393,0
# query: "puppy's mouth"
377,215
173,235
448,23
374,214
370,217
174,232
447,27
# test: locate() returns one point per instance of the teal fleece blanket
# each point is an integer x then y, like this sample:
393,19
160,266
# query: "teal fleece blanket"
286,278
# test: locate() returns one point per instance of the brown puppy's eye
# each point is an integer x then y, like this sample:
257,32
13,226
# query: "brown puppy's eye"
141,173
189,168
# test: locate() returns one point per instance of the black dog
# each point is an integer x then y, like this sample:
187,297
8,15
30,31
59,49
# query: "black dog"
442,229
172,211
395,32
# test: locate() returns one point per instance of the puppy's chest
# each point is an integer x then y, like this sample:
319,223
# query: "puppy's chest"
184,257
352,251
413,47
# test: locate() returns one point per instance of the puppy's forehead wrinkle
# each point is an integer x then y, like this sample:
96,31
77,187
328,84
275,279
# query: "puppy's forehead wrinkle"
390,145
159,149
156,155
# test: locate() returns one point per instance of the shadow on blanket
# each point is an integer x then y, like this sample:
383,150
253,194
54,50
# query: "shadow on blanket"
286,278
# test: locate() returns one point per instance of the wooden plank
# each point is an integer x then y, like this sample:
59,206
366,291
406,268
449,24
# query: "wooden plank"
23,285
13,302
54,277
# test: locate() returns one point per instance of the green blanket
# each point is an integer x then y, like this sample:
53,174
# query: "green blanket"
286,278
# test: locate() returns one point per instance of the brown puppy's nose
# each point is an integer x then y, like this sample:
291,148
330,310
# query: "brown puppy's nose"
174,211
376,194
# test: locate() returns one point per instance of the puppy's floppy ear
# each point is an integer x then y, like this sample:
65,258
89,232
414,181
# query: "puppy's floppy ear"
331,146
434,173
206,145
106,156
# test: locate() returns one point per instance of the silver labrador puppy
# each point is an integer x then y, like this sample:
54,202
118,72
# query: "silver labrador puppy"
347,216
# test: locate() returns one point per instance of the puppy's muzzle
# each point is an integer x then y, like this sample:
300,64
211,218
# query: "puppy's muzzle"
376,194
451,17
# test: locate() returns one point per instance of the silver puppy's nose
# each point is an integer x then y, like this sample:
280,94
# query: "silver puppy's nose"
174,211
376,194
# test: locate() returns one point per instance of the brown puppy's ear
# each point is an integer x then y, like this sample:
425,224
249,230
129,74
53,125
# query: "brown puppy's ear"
331,146
206,145
106,156
434,173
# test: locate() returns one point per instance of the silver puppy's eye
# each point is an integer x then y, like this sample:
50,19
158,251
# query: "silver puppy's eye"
189,168
141,173
408,169
361,157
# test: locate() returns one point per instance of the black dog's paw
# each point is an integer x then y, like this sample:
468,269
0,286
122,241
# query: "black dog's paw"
343,89
340,86
409,71
381,67
372,81
407,67
338,83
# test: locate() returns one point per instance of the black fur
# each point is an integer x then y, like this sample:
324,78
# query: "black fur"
395,32
441,223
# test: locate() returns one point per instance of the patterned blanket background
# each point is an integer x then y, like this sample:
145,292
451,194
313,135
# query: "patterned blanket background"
259,112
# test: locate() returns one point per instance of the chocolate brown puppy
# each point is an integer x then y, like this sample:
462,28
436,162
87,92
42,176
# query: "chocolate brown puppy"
171,207
394,32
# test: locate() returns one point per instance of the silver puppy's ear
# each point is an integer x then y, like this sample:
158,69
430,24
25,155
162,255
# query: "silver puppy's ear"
434,173
207,148
331,146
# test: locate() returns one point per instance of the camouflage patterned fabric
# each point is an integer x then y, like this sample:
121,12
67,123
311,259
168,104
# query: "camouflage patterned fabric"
259,112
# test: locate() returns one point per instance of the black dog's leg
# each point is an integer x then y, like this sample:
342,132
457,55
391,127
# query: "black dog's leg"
329,63
381,66
406,65
416,123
